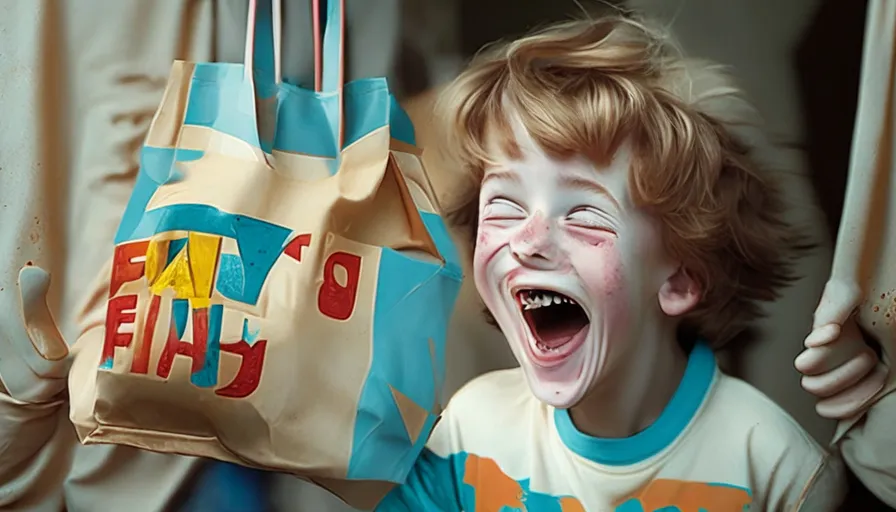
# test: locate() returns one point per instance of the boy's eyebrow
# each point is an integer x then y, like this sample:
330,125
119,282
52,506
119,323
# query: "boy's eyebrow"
502,174
578,183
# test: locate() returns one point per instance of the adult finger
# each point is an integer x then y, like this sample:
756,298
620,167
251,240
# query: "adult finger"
840,379
855,399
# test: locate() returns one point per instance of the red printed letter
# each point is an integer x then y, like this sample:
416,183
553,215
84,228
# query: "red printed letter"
195,350
294,248
119,311
249,374
140,363
124,269
335,300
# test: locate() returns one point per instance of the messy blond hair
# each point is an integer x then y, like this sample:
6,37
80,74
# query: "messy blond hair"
587,87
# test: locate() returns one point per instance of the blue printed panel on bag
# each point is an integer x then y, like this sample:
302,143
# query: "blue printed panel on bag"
221,98
398,405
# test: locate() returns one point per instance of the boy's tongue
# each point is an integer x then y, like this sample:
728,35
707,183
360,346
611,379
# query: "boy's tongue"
555,326
554,336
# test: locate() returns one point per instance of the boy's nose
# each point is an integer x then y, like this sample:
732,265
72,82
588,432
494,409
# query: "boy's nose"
534,245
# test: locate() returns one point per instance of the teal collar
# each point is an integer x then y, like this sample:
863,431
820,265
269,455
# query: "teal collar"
694,386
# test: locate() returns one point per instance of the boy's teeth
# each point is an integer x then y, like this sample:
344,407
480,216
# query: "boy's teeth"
544,348
540,299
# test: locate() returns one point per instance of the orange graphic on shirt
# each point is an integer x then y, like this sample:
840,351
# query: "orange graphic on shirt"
691,496
495,490
569,504
499,490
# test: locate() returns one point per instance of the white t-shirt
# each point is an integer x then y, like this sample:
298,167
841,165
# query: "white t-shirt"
719,445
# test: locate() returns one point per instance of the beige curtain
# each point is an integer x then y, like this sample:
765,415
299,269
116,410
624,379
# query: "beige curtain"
34,149
865,251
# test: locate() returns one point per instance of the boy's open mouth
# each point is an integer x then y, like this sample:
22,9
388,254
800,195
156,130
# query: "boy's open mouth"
554,319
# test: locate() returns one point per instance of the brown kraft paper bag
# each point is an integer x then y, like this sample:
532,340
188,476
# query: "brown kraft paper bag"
282,279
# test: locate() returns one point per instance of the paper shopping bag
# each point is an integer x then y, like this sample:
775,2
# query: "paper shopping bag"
282,279
864,268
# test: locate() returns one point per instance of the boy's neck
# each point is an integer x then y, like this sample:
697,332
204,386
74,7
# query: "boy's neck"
634,395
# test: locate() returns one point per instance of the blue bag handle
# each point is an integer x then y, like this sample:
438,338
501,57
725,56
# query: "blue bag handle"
261,66
262,58
329,69
263,41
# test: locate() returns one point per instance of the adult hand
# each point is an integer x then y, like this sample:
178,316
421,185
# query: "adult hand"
34,358
838,366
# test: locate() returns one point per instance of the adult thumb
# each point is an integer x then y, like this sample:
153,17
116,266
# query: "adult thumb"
46,340
34,360
838,301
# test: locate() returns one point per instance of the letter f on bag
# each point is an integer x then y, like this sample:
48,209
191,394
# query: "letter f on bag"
34,359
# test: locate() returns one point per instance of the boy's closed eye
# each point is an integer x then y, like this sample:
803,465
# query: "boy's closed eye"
591,219
501,209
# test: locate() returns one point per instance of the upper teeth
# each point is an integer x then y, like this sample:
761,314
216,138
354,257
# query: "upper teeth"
533,299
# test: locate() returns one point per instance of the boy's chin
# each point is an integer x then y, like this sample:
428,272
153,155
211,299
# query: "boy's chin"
560,394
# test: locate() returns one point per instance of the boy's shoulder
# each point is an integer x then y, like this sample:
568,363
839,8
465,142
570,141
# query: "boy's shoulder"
737,409
740,416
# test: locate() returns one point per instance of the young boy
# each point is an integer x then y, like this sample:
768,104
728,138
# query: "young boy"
613,214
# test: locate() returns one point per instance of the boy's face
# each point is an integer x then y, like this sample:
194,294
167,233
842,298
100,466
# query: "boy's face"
569,268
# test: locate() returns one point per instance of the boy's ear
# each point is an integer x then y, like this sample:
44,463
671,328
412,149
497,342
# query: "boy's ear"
680,293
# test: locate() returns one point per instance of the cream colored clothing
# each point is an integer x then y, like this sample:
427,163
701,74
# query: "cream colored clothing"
719,445
869,449
32,153
868,443
114,84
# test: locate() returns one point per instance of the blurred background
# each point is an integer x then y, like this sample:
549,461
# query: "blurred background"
79,85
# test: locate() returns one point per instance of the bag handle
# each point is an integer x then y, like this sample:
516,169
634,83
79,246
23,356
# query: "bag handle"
262,52
262,64
329,56
261,67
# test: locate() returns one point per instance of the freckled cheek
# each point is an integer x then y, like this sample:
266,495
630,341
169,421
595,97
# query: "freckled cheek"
593,237
482,236
601,270
489,241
